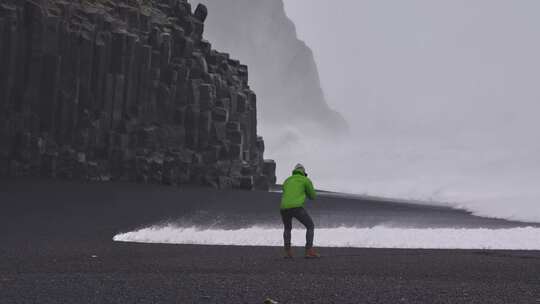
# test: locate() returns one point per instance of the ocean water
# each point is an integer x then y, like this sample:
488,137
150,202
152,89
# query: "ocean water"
345,223
499,180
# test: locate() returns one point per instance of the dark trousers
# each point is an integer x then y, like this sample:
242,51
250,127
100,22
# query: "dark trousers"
303,217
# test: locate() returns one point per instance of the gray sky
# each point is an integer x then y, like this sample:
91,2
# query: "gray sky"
427,66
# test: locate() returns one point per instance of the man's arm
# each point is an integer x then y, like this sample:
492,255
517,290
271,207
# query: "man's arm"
310,191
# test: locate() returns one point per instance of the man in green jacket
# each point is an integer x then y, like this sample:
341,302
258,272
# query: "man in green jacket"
295,190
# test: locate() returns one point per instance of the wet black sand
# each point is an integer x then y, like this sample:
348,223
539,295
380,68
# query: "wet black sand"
56,247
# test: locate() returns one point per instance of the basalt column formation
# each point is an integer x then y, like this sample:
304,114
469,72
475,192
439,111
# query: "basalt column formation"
124,90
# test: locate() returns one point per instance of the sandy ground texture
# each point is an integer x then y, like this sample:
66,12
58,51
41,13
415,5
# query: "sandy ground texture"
56,247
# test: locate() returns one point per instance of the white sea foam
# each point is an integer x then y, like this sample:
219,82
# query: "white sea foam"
525,238
483,178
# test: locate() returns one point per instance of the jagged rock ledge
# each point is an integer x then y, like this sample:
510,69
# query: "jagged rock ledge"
124,90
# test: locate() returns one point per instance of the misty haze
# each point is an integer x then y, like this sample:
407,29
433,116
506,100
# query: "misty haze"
441,99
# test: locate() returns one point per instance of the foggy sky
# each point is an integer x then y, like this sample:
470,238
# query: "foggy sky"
461,69
442,98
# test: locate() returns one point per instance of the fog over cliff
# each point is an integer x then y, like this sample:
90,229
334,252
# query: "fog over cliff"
282,68
291,104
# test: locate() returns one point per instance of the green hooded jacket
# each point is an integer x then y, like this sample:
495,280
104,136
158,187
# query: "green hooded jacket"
295,190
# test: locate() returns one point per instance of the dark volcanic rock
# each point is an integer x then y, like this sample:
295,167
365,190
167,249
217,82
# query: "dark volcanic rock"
123,90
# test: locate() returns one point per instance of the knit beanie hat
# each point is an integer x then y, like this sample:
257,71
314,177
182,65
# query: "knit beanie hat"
300,167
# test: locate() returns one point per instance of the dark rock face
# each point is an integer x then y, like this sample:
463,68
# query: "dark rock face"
124,90
283,70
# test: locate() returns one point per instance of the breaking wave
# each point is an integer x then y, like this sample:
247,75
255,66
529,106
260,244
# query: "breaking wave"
522,238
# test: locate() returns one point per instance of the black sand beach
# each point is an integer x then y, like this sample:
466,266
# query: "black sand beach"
56,247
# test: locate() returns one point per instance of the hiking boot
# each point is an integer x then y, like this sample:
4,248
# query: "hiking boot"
288,253
311,254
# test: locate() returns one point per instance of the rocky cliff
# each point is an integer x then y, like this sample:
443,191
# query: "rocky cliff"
124,90
283,69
